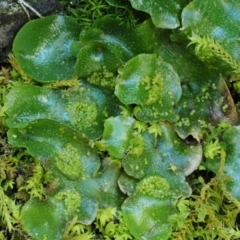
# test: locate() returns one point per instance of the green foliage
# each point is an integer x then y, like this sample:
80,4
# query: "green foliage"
103,78
213,136
107,45
35,185
109,222
47,217
215,35
210,46
155,129
116,131
39,64
219,24
145,81
77,231
2,235
86,11
163,14
109,225
206,46
154,186
145,216
212,149
85,107
9,210
211,211
4,80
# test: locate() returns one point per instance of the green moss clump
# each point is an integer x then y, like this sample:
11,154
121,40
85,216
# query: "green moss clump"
210,213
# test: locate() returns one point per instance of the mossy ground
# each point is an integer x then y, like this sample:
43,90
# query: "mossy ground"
210,213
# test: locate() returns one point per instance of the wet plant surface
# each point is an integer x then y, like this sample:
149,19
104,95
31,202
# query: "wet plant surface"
120,121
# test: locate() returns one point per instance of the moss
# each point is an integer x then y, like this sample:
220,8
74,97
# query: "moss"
211,46
65,83
17,66
211,208
35,185
109,222
8,166
139,126
76,230
212,149
155,129
86,11
9,210
209,213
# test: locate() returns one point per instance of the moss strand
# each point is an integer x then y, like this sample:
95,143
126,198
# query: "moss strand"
203,43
